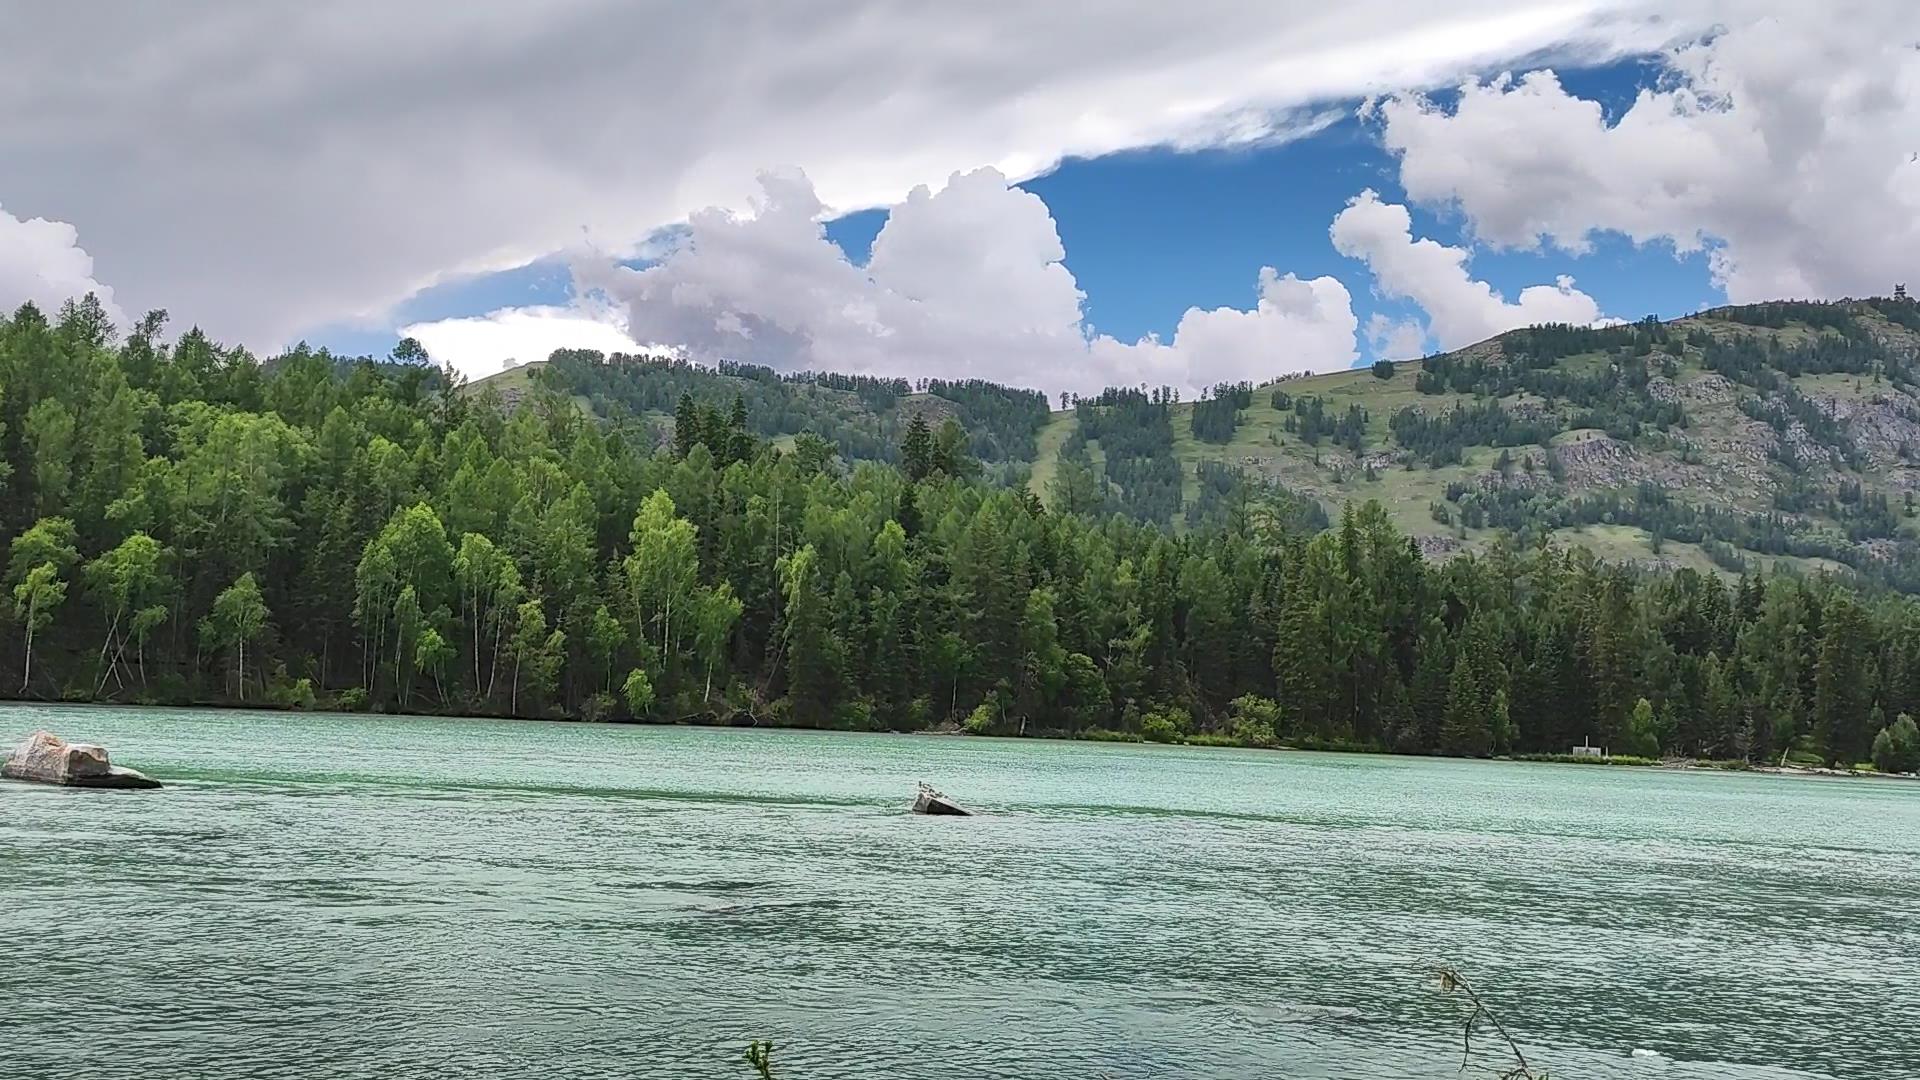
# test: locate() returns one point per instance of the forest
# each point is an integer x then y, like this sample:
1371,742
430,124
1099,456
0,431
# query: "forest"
183,522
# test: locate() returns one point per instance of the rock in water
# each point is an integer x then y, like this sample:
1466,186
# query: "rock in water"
929,801
48,759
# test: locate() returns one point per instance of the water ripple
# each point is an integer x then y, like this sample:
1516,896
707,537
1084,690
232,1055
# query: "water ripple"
383,897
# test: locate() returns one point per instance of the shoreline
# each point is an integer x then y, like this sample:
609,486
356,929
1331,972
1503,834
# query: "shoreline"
1102,736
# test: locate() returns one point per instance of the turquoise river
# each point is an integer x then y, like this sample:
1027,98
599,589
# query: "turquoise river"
351,896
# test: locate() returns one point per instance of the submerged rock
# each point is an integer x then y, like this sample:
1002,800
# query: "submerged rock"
46,758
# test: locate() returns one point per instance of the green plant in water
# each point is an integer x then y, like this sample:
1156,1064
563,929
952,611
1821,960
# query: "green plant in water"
1452,982
760,1056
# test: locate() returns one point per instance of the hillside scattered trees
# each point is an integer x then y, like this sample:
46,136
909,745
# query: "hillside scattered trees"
1217,413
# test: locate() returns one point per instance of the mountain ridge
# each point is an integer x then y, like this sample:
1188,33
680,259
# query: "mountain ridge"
1738,437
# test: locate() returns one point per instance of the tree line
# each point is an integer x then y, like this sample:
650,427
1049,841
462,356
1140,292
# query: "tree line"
186,523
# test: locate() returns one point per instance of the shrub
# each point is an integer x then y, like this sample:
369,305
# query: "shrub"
1383,369
1207,738
919,714
855,715
297,694
1896,749
1256,720
1253,733
1642,737
638,690
597,708
352,699
1166,725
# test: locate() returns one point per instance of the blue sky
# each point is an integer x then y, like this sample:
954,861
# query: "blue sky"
1150,233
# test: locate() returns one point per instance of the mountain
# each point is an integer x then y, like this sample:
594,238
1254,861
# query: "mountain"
1743,437
1738,437
863,417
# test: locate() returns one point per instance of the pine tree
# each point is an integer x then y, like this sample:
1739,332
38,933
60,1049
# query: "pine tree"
916,453
812,653
1429,694
1466,729
740,442
1842,690
686,426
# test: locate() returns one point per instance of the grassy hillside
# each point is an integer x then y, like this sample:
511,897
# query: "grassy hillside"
1738,437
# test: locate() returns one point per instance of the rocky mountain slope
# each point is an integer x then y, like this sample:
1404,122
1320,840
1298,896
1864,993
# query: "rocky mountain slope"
1737,437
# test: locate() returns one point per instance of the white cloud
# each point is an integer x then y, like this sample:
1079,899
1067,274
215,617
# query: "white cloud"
1460,310
486,344
265,168
1296,326
1789,146
42,261
1396,339
967,281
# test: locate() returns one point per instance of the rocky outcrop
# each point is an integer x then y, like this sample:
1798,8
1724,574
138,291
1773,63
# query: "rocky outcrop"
1599,461
1886,427
46,758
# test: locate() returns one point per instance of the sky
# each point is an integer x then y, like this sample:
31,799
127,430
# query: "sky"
1169,194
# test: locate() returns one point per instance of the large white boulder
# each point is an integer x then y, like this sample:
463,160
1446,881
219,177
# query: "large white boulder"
48,759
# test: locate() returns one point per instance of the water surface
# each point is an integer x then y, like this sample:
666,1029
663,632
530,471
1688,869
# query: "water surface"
395,898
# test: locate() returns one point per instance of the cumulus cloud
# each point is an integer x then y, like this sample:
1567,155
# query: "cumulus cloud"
42,261
1788,147
261,169
485,344
966,281
1396,339
1296,326
1460,310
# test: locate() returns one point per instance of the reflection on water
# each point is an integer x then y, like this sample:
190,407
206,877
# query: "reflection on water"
353,896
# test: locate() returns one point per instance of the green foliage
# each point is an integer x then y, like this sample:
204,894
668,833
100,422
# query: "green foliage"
916,452
1256,720
35,599
297,694
1312,422
1642,736
1166,725
217,525
858,417
238,618
1382,369
1896,749
1135,432
1218,412
760,1058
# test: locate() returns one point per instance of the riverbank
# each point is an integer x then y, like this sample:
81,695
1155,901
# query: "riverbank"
1090,735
